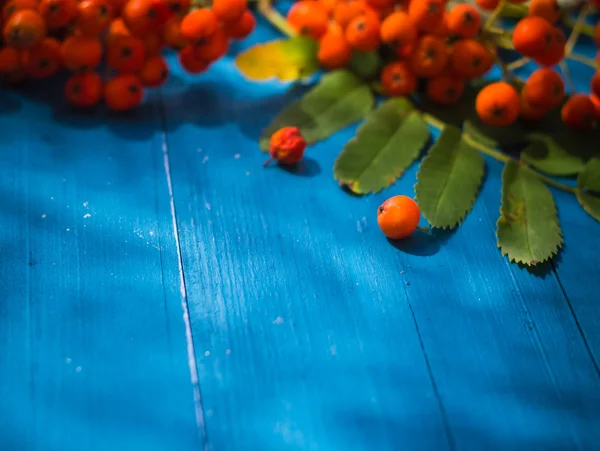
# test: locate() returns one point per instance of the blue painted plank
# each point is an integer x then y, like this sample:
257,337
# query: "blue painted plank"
313,332
92,337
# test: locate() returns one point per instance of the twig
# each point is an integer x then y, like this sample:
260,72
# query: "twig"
500,156
517,64
276,19
491,20
584,60
583,12
567,74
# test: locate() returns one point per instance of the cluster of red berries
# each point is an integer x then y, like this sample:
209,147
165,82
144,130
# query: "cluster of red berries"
446,48
41,37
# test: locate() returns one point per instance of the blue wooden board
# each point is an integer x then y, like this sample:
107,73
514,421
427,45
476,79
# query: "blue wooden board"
160,290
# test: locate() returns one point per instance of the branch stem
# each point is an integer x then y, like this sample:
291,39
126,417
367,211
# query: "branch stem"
500,156
579,23
275,18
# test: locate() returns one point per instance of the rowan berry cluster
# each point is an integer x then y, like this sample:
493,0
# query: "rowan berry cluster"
41,37
444,48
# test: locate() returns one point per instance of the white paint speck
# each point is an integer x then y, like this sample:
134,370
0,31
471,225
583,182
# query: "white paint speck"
85,204
52,198
43,215
207,354
401,272
278,320
151,233
67,360
68,230
87,215
248,173
361,225
204,160
78,369
237,156
207,205
227,351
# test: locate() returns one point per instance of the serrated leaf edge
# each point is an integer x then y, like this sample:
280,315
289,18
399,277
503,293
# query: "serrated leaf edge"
530,263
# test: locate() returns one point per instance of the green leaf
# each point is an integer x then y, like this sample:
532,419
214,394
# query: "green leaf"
285,59
389,141
528,229
449,179
339,100
546,155
588,188
475,135
365,64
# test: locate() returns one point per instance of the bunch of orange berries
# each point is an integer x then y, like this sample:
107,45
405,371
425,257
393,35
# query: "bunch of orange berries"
446,48
41,37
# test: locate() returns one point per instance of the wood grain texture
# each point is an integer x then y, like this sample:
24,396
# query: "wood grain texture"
92,339
314,332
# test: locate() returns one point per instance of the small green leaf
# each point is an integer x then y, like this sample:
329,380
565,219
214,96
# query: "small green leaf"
365,64
588,188
546,155
389,141
337,101
285,59
528,229
449,179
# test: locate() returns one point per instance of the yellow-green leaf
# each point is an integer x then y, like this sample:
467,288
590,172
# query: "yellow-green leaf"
449,179
337,101
389,141
528,229
285,59
588,188
546,155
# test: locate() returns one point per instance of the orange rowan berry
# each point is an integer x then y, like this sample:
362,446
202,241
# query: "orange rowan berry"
334,50
153,43
10,60
328,6
286,146
398,31
213,48
191,63
126,54
530,112
84,90
362,33
445,89
13,6
145,16
42,60
398,79
554,51
24,29
578,112
597,34
426,15
81,53
118,6
398,217
531,36
346,10
596,101
123,92
429,57
308,18
463,20
58,13
548,10
544,89
595,84
229,10
470,59
487,5
199,24
498,104
172,33
154,72
242,27
117,28
381,5
179,7
94,16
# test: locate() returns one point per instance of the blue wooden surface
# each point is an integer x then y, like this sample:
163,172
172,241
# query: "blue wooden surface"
140,252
